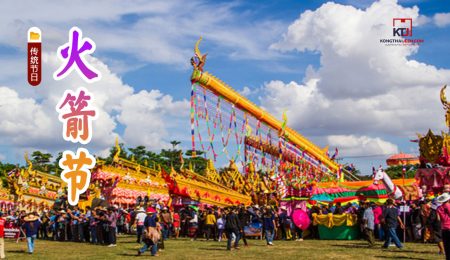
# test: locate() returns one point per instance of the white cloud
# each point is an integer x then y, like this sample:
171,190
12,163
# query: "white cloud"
441,19
363,93
245,91
398,112
422,20
351,145
353,62
23,120
148,115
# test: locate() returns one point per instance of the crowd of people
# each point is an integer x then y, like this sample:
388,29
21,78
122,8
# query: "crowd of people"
152,224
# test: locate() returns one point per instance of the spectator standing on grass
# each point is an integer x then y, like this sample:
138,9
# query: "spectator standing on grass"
127,221
193,223
52,225
61,225
425,212
244,220
232,228
45,224
434,224
220,226
378,214
140,218
166,222
31,228
74,216
368,224
93,221
104,225
152,234
444,216
99,225
176,224
112,226
210,223
269,225
391,221
416,222
282,218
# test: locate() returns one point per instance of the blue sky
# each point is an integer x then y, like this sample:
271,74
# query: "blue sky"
276,50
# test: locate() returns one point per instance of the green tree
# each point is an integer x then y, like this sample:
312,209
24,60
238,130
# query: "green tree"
198,162
5,168
56,169
396,172
153,158
170,157
41,161
174,144
139,153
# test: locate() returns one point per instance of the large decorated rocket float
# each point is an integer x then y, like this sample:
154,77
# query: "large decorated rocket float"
290,167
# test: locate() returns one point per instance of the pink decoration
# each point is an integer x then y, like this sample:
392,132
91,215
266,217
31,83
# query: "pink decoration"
301,219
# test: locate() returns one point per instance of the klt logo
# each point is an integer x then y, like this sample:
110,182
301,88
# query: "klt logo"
402,26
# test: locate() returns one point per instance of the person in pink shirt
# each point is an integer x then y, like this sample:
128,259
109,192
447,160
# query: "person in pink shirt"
377,213
444,215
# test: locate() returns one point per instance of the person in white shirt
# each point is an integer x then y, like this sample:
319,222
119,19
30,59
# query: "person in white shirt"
220,226
140,218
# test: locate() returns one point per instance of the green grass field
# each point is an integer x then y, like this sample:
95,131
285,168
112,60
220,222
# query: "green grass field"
200,249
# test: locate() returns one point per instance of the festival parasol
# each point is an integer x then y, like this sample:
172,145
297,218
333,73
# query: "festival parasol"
301,219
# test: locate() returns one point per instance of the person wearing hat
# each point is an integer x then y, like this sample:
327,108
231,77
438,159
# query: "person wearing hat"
434,224
60,225
152,235
31,227
140,218
2,235
112,226
166,222
444,215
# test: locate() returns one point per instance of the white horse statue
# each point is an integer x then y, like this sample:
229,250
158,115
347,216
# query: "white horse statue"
392,190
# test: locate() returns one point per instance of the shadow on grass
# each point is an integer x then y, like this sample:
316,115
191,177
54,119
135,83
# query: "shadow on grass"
129,242
365,246
130,255
398,257
16,251
213,248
